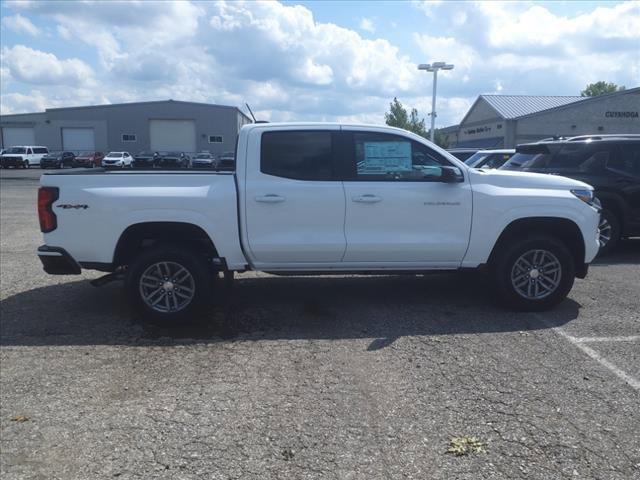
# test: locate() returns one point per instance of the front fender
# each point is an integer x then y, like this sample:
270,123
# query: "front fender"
491,218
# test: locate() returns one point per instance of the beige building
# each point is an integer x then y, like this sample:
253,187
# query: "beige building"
504,121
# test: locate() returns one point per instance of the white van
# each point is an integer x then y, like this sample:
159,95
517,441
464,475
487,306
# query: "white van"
22,156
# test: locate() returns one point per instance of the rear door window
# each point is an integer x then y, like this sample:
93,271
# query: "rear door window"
627,161
298,155
576,157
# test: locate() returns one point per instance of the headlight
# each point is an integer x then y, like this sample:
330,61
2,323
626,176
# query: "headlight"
585,195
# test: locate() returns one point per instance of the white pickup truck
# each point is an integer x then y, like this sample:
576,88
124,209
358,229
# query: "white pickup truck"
319,198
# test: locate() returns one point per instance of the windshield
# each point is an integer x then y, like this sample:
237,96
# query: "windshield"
17,150
203,155
476,159
85,154
114,154
145,153
172,154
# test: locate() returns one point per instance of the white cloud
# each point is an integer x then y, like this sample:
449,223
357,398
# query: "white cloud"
19,24
289,66
64,32
367,25
535,26
27,65
524,48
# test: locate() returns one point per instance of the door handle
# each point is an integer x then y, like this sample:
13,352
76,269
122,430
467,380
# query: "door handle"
269,198
368,198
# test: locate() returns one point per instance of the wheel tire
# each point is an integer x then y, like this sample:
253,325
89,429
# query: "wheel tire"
608,222
25,164
504,267
171,255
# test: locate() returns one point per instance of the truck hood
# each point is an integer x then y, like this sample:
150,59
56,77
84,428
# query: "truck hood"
515,179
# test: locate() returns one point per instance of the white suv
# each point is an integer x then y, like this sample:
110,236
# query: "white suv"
23,156
117,159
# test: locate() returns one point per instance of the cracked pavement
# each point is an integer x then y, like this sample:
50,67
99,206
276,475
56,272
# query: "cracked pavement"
311,377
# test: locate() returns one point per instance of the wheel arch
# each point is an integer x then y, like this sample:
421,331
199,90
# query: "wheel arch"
142,235
616,204
562,228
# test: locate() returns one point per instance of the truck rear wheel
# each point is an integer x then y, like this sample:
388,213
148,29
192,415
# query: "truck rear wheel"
534,273
168,284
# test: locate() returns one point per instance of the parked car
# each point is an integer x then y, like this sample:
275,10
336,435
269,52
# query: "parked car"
22,156
89,159
326,198
490,158
58,160
117,159
174,160
462,153
204,160
227,161
146,159
611,164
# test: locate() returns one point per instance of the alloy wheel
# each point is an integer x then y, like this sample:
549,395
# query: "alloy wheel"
167,287
536,274
604,231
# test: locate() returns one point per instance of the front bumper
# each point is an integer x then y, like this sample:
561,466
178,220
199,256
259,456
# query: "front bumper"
57,261
201,164
117,163
11,162
49,164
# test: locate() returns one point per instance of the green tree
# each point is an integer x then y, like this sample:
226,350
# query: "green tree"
600,88
397,116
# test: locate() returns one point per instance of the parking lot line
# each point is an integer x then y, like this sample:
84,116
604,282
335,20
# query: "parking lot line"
630,380
628,338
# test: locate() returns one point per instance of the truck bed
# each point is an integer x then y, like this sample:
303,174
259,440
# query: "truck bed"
96,206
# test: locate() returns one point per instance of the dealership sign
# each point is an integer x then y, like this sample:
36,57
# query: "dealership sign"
621,114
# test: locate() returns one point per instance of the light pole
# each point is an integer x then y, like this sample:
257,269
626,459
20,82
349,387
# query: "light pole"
434,67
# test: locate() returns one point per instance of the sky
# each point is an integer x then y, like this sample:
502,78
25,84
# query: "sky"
310,60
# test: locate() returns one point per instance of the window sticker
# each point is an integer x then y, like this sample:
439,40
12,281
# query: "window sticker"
384,157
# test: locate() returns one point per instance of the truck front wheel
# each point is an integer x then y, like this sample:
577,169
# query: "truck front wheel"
168,284
534,273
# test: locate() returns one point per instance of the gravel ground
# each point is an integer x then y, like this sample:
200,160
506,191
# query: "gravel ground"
314,377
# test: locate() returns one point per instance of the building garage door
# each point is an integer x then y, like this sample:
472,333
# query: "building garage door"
172,135
12,136
78,139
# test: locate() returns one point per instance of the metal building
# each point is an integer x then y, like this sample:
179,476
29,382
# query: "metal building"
504,121
159,126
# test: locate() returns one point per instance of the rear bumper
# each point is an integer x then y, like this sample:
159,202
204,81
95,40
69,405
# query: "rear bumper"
57,261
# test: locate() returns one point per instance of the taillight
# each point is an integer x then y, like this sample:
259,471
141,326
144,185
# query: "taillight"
46,197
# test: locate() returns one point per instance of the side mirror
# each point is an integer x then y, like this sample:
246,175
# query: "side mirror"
451,175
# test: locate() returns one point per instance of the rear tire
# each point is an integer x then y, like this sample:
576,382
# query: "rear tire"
168,284
609,231
533,274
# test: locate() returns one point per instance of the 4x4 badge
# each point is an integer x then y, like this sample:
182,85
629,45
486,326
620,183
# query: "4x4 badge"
67,206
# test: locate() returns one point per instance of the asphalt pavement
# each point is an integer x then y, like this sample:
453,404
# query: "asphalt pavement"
346,377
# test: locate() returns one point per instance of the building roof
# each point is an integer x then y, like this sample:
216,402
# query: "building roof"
514,106
116,105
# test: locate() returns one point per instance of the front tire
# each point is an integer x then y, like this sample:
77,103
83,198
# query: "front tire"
168,284
25,164
534,274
